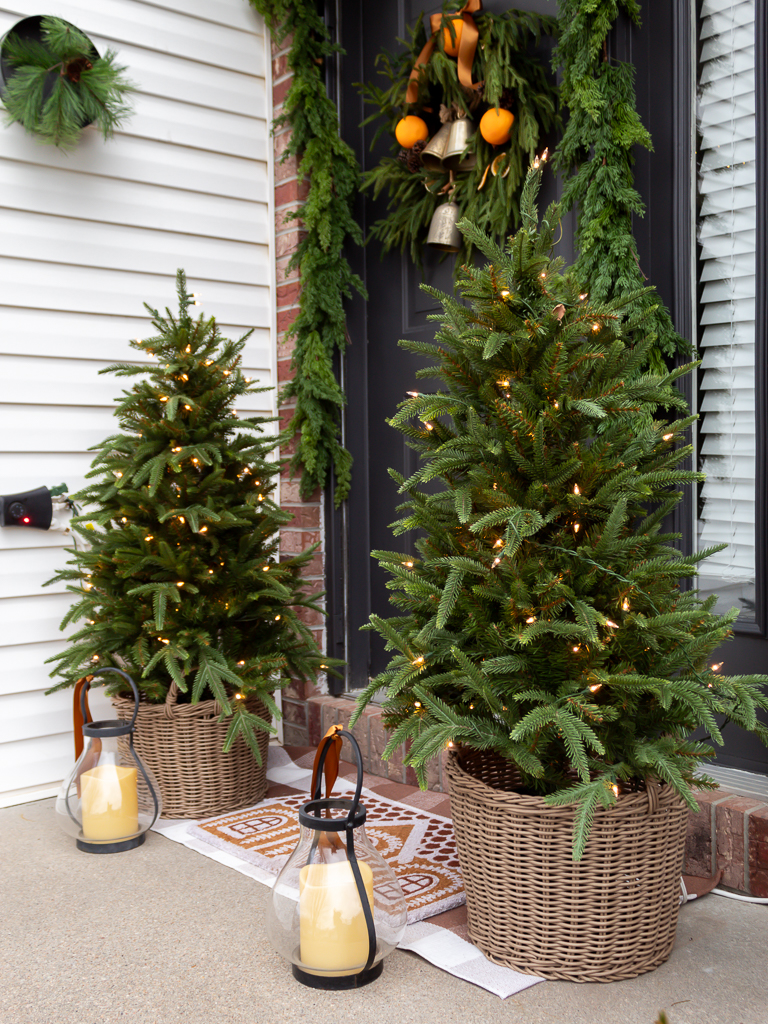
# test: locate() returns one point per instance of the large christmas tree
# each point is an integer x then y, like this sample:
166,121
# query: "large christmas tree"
543,617
180,579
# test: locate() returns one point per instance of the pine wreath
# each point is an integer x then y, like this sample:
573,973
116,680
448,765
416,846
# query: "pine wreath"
506,74
55,83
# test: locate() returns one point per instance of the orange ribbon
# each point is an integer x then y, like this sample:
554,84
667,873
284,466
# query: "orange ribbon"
331,766
467,47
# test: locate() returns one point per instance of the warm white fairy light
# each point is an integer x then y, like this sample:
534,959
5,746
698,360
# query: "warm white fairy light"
576,649
123,520
238,696
241,663
184,376
531,619
543,273
162,641
187,406
117,473
503,383
495,562
413,394
226,373
595,327
182,519
615,789
556,405
611,623
95,657
277,618
189,347
180,583
419,660
668,437
583,296
596,687
261,497
208,362
203,529
576,489
408,565
449,745
576,527
498,543
429,426
716,667
625,605
210,572
265,568
195,461
417,703
163,398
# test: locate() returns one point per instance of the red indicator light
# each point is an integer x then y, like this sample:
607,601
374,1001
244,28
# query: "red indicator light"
25,519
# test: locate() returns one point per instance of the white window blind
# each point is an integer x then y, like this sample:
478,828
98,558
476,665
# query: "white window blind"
726,231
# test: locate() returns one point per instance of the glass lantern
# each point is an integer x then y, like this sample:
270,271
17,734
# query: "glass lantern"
337,908
111,799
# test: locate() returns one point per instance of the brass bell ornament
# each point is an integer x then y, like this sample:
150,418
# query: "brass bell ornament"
433,154
461,132
443,233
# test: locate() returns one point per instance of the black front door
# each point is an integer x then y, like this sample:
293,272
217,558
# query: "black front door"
377,371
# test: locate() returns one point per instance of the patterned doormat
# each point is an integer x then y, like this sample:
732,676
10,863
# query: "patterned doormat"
419,846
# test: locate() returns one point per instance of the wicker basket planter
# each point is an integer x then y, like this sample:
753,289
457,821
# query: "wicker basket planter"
182,744
609,917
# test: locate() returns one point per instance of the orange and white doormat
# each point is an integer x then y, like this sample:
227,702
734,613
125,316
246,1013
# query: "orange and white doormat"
419,846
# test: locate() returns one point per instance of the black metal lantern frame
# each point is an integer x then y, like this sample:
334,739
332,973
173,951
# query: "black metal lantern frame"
112,729
311,817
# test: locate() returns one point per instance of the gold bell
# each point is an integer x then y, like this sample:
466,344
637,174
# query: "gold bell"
443,233
434,152
460,134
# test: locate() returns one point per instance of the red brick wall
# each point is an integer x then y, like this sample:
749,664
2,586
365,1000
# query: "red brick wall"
307,526
729,832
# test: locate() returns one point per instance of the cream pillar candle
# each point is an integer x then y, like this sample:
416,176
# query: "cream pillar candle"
110,802
332,929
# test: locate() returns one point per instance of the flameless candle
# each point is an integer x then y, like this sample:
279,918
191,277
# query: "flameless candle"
332,928
110,803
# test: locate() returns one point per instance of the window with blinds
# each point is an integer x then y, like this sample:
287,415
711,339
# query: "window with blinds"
726,234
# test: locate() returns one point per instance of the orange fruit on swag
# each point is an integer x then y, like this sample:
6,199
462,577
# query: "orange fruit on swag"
451,47
410,130
496,126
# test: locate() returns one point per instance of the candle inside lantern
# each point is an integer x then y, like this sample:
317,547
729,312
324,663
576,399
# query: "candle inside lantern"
332,929
110,802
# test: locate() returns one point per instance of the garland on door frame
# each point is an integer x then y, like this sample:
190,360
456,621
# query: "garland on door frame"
428,87
332,173
596,151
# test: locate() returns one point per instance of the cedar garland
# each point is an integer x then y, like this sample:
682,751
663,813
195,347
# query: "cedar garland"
596,151
331,171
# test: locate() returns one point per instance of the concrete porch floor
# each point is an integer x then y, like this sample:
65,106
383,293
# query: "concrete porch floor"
161,935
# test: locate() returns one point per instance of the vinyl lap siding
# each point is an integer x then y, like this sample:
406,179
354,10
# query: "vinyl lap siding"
85,239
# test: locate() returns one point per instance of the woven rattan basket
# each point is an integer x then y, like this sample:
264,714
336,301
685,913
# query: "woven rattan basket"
611,916
182,744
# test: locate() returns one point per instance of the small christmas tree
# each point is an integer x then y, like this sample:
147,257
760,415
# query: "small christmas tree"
543,618
180,579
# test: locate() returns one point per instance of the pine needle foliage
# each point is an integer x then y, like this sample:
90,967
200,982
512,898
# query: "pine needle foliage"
59,85
512,74
332,174
596,155
180,579
543,616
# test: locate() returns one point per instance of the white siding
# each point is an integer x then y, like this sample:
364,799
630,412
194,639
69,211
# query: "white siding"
85,239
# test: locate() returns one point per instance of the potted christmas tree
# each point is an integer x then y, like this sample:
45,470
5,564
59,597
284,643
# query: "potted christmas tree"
180,583
544,636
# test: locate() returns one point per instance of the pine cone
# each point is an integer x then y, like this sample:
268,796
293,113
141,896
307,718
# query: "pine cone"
413,157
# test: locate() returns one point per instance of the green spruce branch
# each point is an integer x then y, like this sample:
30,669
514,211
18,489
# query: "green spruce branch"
331,172
596,153
180,580
543,617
